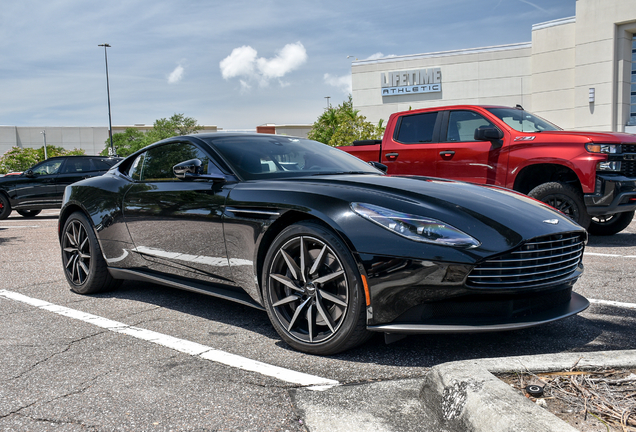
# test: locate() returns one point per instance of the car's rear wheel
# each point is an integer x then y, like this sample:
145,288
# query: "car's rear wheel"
313,292
29,213
610,224
84,266
564,198
5,207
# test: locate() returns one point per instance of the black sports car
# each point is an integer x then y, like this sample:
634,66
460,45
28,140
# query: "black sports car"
328,245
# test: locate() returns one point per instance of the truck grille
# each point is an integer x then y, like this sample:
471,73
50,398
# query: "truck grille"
540,261
628,168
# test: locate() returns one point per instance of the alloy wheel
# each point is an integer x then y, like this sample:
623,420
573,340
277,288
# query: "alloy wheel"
308,289
77,252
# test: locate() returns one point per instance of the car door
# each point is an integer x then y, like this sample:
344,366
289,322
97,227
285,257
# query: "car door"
36,187
74,170
175,224
413,149
461,157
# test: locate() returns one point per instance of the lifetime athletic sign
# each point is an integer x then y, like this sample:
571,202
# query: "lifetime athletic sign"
412,81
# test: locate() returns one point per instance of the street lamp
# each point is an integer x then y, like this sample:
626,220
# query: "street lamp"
110,123
328,105
44,135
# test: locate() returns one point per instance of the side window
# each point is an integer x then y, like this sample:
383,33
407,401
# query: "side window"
158,161
416,128
135,168
48,167
462,125
101,165
77,165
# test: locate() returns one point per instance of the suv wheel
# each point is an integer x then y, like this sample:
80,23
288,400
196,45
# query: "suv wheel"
29,213
5,207
564,198
610,224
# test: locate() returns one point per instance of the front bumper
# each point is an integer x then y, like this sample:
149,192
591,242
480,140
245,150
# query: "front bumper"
413,296
613,194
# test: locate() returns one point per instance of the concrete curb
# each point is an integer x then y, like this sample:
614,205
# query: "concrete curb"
465,395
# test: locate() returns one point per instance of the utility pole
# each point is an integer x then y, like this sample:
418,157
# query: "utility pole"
110,122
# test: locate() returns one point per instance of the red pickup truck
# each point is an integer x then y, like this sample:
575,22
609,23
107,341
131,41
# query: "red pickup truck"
590,176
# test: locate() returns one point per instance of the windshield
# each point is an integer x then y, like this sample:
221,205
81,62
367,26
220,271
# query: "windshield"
274,156
523,121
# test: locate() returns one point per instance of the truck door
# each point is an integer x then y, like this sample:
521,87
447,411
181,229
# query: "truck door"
412,150
461,157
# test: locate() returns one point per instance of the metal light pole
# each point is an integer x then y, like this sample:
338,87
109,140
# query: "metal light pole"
110,123
44,134
328,105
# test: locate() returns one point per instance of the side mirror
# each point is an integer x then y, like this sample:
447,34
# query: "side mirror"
193,170
488,133
380,166
29,173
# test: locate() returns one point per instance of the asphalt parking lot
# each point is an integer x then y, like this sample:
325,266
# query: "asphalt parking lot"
146,357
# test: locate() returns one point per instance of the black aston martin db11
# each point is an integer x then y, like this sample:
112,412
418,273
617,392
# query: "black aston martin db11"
328,245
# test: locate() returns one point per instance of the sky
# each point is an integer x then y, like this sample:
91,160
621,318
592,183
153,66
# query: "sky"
234,64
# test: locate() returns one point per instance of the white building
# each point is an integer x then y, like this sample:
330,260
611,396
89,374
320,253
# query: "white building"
577,72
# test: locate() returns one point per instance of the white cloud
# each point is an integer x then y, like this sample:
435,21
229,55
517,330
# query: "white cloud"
176,75
243,63
341,82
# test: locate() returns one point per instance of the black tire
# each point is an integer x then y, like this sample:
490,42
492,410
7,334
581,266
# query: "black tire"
564,198
5,207
313,292
29,213
84,265
610,224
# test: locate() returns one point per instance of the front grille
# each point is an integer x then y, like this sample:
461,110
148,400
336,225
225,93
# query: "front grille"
628,168
540,261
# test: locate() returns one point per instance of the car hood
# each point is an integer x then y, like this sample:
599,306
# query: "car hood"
499,218
584,137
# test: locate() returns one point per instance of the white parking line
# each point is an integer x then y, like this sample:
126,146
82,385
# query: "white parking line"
613,303
181,345
19,226
609,255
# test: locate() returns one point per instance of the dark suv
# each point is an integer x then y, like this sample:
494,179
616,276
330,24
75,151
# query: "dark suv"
42,186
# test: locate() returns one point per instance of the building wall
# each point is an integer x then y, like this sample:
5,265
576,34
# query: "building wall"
90,139
552,75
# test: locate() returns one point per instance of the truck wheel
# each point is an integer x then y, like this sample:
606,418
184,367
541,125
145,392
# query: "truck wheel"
564,198
610,224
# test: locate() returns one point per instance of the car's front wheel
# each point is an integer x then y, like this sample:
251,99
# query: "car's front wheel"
84,266
29,213
5,207
313,292
564,198
610,224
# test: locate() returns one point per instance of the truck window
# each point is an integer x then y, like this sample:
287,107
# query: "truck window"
416,128
462,125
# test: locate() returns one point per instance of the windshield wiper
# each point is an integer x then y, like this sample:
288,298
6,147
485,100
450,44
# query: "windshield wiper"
342,172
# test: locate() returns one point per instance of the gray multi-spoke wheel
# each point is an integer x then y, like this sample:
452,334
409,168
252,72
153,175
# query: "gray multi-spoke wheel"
84,266
312,290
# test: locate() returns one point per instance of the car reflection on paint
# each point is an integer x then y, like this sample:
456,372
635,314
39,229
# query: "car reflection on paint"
328,245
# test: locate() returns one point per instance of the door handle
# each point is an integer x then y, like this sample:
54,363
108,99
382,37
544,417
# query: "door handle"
447,153
391,156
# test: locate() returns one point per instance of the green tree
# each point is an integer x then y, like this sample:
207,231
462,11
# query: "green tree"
342,125
131,139
21,159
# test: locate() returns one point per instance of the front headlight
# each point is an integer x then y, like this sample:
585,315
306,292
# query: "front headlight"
413,227
602,148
